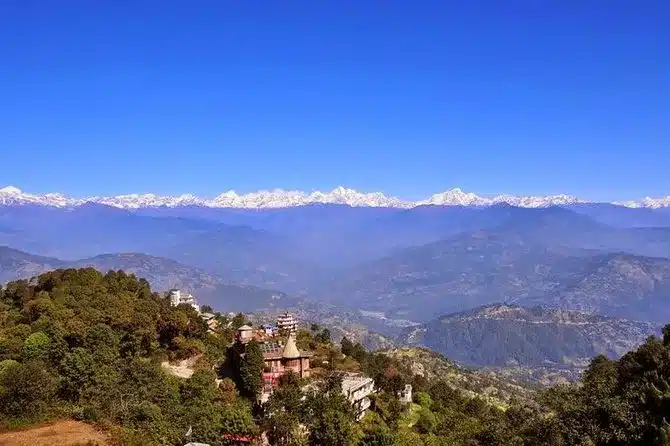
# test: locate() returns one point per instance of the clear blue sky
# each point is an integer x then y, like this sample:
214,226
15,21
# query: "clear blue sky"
408,97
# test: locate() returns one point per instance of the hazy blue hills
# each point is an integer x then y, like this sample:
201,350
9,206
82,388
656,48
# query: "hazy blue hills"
620,216
91,229
162,273
512,263
412,263
18,264
505,335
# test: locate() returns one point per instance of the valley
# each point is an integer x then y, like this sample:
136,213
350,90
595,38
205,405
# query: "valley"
380,270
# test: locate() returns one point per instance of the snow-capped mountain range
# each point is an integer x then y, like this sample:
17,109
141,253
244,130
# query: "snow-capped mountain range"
280,198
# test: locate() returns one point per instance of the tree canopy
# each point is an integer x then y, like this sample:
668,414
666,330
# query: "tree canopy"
80,344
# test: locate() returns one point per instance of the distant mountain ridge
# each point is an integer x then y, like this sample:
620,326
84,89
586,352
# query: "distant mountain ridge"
509,335
280,198
554,258
161,273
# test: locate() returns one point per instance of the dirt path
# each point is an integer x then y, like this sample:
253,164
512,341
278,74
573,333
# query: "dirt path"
184,369
60,433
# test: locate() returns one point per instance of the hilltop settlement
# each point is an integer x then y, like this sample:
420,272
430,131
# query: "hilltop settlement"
105,356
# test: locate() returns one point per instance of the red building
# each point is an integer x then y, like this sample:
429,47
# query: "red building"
279,357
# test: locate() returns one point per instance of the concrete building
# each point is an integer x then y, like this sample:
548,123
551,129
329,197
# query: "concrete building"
210,320
287,322
357,389
245,334
406,394
177,297
270,330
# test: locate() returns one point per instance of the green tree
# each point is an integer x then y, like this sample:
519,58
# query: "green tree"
237,420
238,320
423,399
76,370
36,346
347,346
251,369
427,422
227,391
26,390
323,337
283,429
378,436
287,397
7,363
284,412
102,342
334,428
359,353
199,388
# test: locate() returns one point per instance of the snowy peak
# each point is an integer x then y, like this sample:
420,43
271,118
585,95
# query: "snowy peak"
647,202
11,195
456,197
10,190
280,198
137,201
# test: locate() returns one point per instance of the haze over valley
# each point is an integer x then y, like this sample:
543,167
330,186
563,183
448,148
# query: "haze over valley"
380,265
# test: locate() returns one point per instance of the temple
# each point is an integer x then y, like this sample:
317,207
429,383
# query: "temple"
279,356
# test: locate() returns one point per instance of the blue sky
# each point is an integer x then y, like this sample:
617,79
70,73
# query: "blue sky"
518,96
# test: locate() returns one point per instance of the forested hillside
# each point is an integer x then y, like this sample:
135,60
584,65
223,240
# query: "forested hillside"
78,344
509,335
162,273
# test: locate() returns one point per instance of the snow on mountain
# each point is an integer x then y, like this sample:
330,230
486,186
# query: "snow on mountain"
537,202
647,202
137,201
456,197
11,195
279,198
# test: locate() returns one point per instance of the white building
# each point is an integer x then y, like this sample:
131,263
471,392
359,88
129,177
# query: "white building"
178,298
357,389
287,322
406,394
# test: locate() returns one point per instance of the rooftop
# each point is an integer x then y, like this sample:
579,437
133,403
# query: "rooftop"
291,350
352,382
272,350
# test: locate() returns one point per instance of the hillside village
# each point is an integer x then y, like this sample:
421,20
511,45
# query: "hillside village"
281,356
104,356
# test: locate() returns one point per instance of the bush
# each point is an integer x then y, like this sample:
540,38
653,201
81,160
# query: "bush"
26,389
427,421
423,400
7,363
36,346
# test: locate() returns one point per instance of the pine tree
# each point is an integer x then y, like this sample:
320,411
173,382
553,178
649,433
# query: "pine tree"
251,369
